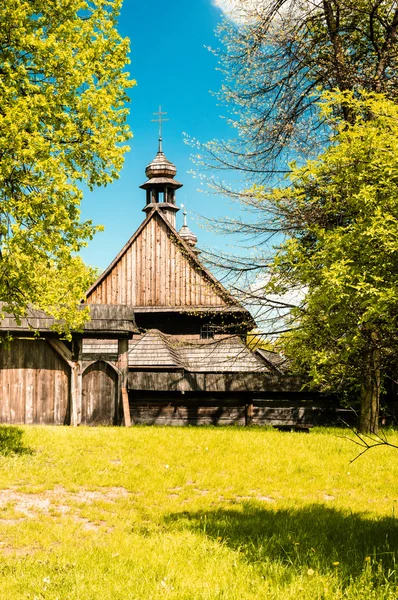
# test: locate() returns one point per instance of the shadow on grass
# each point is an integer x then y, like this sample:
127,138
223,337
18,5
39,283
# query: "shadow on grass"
312,537
11,441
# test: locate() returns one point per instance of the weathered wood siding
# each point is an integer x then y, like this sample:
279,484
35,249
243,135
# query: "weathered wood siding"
99,395
155,270
184,381
157,411
34,384
163,409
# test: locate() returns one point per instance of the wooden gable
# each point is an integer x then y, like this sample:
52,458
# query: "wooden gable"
156,268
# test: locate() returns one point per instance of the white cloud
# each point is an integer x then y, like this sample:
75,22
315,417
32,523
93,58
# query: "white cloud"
245,10
238,9
226,6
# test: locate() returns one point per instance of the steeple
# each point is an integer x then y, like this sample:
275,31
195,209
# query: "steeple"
161,185
187,235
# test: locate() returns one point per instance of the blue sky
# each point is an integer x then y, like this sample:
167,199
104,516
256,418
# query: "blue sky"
173,69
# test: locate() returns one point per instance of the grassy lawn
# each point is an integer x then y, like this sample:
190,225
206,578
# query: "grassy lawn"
203,514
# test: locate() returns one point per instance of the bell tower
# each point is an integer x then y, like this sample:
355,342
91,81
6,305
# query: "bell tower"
161,186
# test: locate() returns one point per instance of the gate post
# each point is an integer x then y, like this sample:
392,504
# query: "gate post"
76,383
123,364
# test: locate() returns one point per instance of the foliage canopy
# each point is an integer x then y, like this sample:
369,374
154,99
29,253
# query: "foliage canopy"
62,122
342,212
337,211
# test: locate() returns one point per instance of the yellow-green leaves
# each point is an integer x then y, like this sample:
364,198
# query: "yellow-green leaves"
62,121
344,249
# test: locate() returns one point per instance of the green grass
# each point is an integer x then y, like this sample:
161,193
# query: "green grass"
195,513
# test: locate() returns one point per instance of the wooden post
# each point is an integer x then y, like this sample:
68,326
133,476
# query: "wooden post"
76,383
249,412
123,364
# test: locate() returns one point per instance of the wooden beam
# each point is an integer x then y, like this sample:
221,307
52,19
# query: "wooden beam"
74,392
75,396
123,364
126,408
249,413
62,350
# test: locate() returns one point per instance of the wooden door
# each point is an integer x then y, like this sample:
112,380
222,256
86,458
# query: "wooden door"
99,397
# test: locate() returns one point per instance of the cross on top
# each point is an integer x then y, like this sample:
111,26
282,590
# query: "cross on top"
160,120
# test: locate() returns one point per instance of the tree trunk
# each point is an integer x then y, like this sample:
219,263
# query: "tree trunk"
370,394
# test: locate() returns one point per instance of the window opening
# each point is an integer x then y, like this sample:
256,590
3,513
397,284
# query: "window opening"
207,331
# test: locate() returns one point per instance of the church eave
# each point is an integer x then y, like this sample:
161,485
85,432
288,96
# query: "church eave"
161,181
161,206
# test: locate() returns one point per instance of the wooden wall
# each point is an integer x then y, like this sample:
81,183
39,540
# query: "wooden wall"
164,411
208,409
184,381
34,384
154,270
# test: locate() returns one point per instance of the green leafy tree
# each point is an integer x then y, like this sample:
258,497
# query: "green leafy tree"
342,214
62,122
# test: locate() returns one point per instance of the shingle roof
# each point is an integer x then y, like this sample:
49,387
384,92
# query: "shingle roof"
157,350
277,361
103,318
229,354
154,350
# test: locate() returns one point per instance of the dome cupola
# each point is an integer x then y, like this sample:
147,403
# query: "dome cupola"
161,186
160,166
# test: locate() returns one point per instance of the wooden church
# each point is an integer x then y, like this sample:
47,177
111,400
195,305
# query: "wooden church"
165,343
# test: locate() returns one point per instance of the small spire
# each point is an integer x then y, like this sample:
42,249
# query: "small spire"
185,215
186,233
160,120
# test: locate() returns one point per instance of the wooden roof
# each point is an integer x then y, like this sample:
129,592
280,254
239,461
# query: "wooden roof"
104,321
215,356
156,350
278,362
157,268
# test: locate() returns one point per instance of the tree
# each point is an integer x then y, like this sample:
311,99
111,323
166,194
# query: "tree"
342,213
277,57
62,122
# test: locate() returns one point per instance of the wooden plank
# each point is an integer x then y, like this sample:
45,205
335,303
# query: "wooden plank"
146,267
153,249
119,273
129,274
249,413
29,396
76,384
136,273
158,266
6,392
123,364
162,300
173,274
126,408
